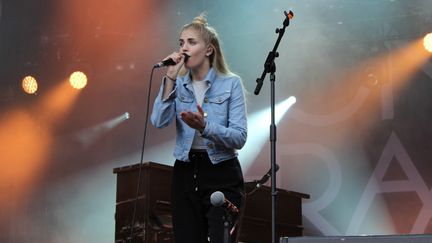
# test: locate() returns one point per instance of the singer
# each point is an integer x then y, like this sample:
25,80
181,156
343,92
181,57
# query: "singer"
207,102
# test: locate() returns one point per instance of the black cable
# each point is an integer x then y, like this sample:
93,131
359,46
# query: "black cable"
143,148
142,158
258,183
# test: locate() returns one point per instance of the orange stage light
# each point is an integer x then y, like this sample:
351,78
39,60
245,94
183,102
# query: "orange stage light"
27,142
29,84
427,42
78,80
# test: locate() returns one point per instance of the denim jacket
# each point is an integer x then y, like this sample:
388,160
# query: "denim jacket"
224,105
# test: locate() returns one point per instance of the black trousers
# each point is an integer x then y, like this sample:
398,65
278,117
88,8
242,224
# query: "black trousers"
195,220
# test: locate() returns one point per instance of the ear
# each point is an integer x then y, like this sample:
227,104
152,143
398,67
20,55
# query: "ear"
209,50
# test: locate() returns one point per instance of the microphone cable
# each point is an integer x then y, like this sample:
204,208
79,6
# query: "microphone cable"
131,237
260,182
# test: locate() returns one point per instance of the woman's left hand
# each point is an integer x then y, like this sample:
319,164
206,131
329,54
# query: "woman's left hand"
194,119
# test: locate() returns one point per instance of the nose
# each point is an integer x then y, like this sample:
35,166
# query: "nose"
184,48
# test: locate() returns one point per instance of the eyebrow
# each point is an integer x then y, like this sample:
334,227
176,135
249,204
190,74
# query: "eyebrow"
188,39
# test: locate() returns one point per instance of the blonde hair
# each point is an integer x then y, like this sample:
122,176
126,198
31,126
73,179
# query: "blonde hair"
210,37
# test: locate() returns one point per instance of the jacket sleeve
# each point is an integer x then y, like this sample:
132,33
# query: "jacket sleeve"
163,109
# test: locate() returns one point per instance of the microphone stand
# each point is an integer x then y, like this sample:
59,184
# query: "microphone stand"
227,221
270,67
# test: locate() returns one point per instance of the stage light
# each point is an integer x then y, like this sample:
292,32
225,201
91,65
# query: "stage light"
427,42
78,80
87,136
29,85
259,123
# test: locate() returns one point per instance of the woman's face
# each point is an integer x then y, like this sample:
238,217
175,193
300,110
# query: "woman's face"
193,45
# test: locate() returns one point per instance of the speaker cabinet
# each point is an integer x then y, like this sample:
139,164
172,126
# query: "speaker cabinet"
153,209
256,220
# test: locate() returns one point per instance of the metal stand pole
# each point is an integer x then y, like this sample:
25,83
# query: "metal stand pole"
270,67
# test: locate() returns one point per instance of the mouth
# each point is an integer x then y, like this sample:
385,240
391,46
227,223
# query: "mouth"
186,57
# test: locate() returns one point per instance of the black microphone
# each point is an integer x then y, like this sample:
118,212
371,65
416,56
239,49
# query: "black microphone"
267,176
170,62
218,199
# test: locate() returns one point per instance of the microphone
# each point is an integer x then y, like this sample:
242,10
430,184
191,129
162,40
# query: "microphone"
170,61
267,176
218,199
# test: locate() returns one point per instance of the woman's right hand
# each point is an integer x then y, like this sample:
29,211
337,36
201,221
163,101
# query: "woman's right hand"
173,69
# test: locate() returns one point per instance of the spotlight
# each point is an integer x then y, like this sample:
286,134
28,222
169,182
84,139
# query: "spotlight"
78,80
427,42
89,135
126,115
259,122
29,85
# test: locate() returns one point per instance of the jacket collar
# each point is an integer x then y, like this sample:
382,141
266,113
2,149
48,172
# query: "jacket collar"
210,77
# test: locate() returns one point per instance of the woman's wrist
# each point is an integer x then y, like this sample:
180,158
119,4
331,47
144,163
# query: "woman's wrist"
201,129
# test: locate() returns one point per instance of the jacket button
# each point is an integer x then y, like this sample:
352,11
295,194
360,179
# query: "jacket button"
206,100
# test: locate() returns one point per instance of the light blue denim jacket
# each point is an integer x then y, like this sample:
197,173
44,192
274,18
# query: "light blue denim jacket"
224,104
